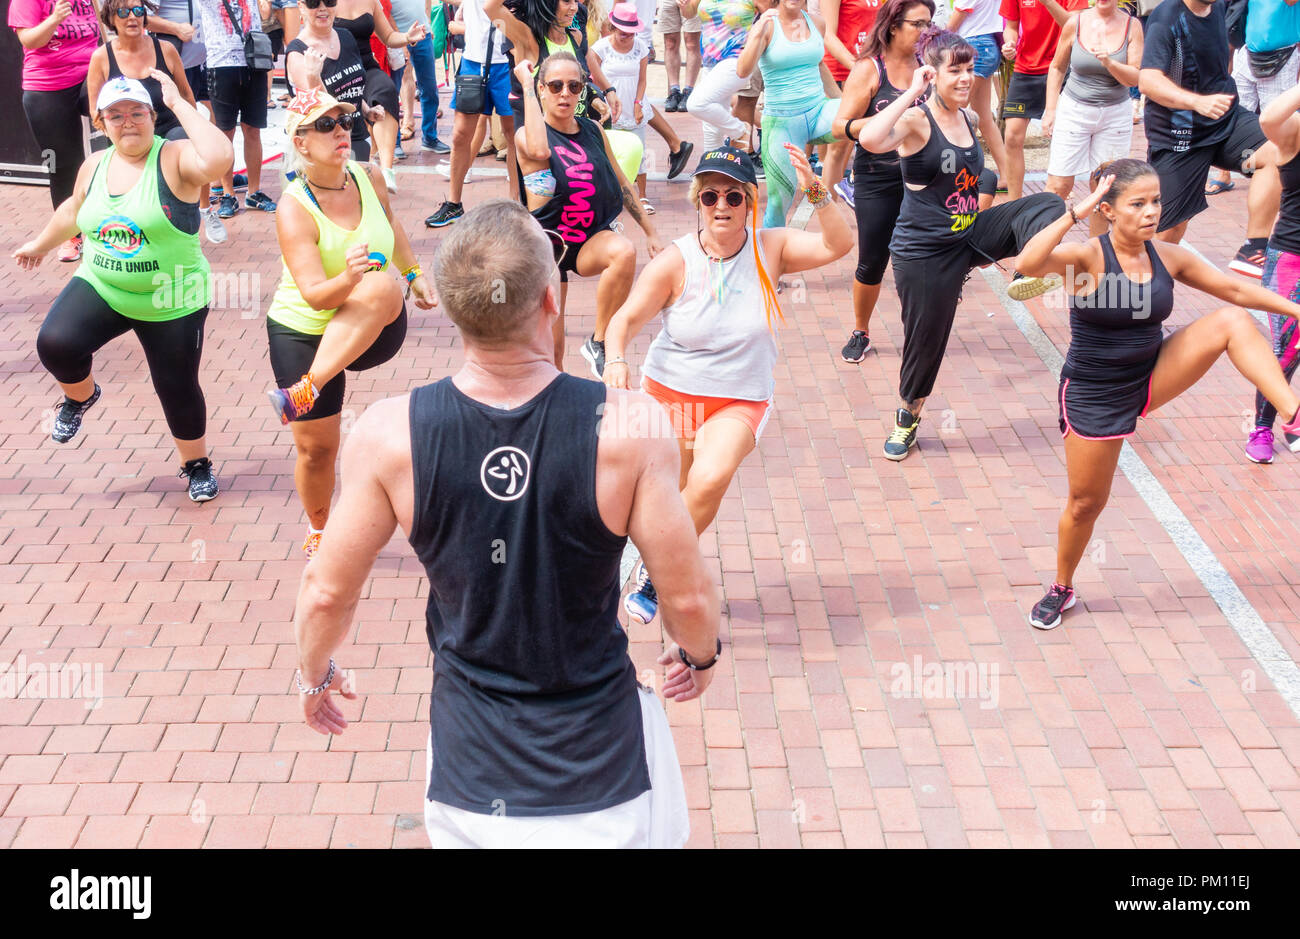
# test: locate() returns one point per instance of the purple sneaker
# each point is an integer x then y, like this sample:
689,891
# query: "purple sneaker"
844,189
1259,445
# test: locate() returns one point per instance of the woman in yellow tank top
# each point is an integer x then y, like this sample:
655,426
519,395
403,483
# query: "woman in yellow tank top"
339,305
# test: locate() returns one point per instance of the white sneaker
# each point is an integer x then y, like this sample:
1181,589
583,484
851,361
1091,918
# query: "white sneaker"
390,177
213,227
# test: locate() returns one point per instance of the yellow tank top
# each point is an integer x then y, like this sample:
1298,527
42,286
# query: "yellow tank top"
288,308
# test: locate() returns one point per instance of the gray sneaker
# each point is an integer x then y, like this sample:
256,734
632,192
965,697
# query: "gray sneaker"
213,227
903,438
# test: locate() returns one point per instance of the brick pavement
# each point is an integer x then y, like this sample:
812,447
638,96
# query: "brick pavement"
1142,722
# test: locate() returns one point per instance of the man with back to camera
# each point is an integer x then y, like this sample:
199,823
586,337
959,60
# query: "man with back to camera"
1194,121
518,486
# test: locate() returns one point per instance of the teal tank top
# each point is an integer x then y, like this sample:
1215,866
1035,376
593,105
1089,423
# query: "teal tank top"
792,77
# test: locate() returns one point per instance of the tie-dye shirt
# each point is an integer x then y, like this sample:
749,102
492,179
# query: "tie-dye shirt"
726,23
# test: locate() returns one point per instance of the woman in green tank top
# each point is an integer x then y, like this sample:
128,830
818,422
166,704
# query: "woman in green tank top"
142,270
339,304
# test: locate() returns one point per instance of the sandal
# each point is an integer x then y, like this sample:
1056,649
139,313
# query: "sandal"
645,204
408,131
1216,186
485,150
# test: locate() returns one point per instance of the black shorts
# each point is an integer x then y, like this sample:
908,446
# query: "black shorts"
292,353
1182,175
197,76
277,42
379,89
1103,410
569,262
238,96
1026,96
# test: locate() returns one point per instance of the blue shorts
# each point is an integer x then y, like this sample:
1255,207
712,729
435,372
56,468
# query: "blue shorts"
498,96
283,4
988,53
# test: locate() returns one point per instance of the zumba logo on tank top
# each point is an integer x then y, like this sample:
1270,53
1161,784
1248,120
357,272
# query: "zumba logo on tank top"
577,213
505,473
121,236
964,203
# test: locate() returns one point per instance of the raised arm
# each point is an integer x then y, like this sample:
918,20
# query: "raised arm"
520,36
360,525
797,250
534,144
659,284
898,127
1046,255
859,87
207,154
760,34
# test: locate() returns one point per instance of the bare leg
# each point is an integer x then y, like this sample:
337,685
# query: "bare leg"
981,101
673,58
1090,465
191,449
865,297
252,157
317,446
1263,199
720,445
665,130
384,134
613,258
372,305
463,140
694,57
1015,169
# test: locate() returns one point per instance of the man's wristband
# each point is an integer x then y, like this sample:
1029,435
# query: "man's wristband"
412,273
329,678
700,668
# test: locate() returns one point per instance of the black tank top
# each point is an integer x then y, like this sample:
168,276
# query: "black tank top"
587,194
881,167
344,78
938,217
1115,332
535,706
361,28
1286,233
165,120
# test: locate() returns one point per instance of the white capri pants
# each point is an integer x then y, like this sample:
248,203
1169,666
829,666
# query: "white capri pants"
1086,136
711,102
654,819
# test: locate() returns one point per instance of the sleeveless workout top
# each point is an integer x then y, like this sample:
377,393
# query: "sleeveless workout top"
1090,82
881,165
577,44
1286,233
142,251
937,217
165,119
535,707
715,339
361,28
587,194
288,308
1115,330
792,79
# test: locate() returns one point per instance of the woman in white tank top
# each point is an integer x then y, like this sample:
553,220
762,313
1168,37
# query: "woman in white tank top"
711,364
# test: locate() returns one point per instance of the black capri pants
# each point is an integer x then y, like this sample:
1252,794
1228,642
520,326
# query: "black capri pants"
876,207
292,353
80,323
55,119
929,288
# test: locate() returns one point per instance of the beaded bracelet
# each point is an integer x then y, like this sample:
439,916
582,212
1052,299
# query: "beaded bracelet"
817,194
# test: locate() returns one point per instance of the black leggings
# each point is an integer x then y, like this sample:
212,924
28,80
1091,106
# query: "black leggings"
80,323
55,119
876,208
929,288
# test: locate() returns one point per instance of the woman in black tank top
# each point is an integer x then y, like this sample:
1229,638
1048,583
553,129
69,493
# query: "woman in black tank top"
1119,365
877,179
941,234
134,53
575,188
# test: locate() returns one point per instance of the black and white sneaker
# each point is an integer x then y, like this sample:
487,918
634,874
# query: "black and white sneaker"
903,438
203,484
858,346
446,213
594,353
1047,611
68,421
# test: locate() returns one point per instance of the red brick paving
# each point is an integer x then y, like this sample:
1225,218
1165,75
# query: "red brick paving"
1143,722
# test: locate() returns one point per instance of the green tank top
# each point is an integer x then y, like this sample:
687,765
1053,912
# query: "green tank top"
134,257
288,308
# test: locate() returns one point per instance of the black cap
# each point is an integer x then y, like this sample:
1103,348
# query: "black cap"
728,161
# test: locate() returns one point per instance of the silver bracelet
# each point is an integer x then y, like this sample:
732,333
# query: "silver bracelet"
618,361
329,678
822,202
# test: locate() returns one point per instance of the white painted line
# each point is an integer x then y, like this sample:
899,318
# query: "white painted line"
1259,315
1241,616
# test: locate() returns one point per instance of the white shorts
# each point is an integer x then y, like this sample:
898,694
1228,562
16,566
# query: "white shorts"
1087,136
654,819
1258,93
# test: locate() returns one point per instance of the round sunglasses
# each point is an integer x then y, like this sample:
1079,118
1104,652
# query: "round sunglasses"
556,86
709,198
315,4
325,124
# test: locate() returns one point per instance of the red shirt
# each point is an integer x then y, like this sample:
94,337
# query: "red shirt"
857,17
1038,33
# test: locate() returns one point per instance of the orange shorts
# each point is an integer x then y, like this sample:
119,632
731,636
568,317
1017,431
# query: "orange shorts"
688,412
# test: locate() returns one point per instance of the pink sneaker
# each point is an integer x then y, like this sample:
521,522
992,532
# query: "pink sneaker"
1292,427
1259,445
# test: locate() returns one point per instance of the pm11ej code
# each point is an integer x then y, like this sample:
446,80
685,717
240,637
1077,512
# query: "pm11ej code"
1160,882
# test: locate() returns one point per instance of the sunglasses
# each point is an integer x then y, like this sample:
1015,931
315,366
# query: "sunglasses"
314,4
326,123
709,198
124,12
558,244
555,87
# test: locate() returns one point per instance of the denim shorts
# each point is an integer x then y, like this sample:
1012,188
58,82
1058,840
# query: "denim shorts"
988,53
283,4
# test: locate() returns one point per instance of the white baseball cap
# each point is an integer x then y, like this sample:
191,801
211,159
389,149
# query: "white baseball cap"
122,88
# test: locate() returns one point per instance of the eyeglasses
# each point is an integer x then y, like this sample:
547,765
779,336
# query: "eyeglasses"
555,87
709,198
326,124
558,245
920,24
138,11
313,4
137,116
